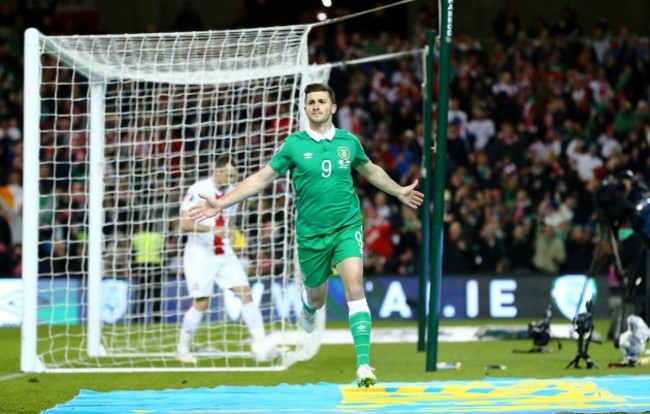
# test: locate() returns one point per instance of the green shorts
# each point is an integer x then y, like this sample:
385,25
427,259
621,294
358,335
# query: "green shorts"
318,254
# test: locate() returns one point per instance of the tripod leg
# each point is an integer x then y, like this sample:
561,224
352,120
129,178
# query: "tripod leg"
573,362
617,325
581,351
590,363
606,236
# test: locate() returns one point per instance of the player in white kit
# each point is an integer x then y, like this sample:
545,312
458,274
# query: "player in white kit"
208,258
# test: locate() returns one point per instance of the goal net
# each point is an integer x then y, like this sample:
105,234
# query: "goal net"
117,128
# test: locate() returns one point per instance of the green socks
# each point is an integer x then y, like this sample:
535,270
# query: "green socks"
360,326
305,305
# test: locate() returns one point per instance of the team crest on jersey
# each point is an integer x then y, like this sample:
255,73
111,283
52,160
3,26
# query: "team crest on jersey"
344,153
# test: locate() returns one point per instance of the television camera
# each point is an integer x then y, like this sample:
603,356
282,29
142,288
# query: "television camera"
624,200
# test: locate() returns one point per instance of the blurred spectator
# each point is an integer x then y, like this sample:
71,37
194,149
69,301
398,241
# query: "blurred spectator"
457,116
458,254
550,250
505,91
624,119
560,213
491,248
480,129
586,158
11,205
377,235
522,209
405,259
383,210
352,117
147,265
520,250
456,146
579,250
601,41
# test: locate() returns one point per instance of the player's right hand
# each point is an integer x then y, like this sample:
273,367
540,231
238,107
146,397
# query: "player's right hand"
205,210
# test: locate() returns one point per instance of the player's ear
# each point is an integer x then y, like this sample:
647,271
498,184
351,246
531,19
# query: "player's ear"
334,108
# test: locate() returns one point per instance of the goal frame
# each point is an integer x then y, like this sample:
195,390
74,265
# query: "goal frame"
36,45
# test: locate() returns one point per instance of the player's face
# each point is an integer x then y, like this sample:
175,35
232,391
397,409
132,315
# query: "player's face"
319,108
225,176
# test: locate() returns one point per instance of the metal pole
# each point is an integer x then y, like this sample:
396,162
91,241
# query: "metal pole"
446,8
425,240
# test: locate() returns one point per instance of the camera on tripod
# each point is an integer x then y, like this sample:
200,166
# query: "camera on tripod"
541,332
584,327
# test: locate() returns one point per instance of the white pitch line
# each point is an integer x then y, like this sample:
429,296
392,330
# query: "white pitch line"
12,376
445,334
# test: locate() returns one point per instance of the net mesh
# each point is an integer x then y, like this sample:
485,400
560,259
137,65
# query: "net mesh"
170,103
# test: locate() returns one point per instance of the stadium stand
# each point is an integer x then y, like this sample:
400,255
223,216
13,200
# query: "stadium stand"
538,117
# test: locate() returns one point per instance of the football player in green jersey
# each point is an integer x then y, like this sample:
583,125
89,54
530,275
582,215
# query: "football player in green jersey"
328,225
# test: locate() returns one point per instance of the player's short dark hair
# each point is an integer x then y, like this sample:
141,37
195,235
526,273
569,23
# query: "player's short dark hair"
320,87
223,161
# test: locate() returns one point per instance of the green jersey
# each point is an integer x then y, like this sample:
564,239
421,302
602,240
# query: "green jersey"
321,176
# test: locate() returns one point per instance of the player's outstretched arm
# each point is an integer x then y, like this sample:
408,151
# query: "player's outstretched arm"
380,179
255,183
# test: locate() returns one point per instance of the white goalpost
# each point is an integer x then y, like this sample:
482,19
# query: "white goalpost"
116,129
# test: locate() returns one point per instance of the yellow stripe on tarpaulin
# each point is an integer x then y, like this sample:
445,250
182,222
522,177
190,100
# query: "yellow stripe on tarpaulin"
483,396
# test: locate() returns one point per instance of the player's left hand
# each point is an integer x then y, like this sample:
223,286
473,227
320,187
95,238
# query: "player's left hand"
410,196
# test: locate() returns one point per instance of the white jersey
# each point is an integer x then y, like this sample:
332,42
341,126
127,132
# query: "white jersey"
191,198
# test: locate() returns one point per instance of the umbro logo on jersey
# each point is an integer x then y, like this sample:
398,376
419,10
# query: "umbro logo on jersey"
308,155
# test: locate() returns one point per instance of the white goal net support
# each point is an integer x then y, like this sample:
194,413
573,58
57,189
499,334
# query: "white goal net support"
117,127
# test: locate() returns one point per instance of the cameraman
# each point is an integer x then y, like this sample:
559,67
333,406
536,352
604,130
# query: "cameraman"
616,203
634,243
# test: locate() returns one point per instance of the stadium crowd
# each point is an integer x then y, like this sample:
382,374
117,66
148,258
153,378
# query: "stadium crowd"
538,116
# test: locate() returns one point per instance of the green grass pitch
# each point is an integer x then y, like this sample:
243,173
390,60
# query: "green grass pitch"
31,393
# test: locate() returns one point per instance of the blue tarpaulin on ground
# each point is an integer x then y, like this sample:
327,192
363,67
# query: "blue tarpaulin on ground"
627,393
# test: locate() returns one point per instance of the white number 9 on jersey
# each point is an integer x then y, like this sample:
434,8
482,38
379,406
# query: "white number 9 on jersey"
326,167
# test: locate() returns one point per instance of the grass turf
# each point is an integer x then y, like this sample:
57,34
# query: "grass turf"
32,393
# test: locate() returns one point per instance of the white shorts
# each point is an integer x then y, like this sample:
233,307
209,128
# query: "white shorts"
203,268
